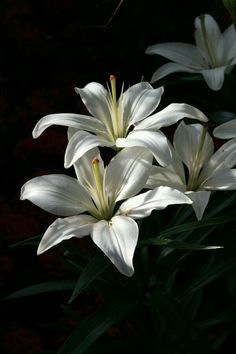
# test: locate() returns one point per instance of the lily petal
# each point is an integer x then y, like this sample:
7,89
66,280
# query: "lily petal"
80,143
139,101
223,158
181,53
226,130
208,38
84,172
191,136
214,77
83,167
172,175
171,115
170,68
221,181
57,194
64,229
143,204
127,173
96,99
200,200
117,238
156,142
72,120
229,40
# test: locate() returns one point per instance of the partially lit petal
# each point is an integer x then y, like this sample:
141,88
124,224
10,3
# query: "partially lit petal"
172,175
96,99
63,229
156,142
182,53
208,37
83,167
171,115
72,120
223,158
222,180
214,77
170,68
127,173
57,194
117,238
200,200
80,143
229,40
226,130
143,204
187,139
139,101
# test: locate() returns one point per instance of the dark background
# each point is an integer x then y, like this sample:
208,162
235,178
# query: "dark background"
47,48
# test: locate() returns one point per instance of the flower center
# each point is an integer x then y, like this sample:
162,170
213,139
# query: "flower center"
196,166
104,210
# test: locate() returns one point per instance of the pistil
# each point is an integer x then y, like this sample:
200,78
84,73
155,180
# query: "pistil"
103,207
197,165
212,59
115,113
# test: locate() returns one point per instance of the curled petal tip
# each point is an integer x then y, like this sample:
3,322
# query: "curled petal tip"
35,134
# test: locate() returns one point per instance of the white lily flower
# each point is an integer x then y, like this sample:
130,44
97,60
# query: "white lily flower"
207,171
213,55
119,123
226,130
96,191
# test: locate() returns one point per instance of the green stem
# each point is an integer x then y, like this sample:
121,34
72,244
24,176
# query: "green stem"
103,207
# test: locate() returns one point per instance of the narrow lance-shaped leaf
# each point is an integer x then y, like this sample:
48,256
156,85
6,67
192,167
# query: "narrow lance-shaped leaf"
193,226
94,326
177,319
179,244
57,285
92,270
216,272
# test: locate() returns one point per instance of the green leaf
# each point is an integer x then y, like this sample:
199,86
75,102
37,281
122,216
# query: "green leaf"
192,304
192,226
180,245
75,249
219,203
57,285
94,326
227,315
221,116
32,241
93,270
216,272
177,79
178,320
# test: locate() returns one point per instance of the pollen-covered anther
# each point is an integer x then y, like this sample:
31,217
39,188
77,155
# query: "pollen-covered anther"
112,77
95,161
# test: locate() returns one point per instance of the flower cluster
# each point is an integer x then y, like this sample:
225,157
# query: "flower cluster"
213,55
147,172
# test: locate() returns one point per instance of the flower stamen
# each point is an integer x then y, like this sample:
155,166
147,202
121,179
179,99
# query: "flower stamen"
103,206
115,113
212,59
196,166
